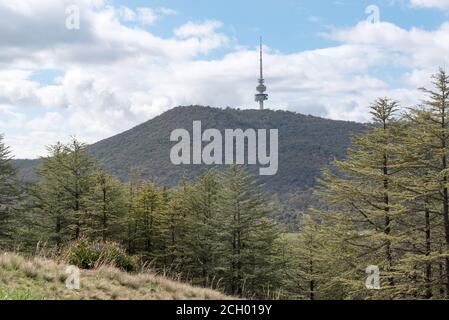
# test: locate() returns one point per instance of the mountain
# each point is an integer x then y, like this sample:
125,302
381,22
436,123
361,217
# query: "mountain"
306,144
26,168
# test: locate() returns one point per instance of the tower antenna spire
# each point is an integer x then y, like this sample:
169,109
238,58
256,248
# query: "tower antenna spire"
261,59
261,96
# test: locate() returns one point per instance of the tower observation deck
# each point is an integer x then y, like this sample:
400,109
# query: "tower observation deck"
261,96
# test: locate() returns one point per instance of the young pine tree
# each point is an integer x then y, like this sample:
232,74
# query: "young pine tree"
201,242
247,237
306,270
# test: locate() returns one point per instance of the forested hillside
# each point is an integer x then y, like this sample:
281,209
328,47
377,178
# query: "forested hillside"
306,144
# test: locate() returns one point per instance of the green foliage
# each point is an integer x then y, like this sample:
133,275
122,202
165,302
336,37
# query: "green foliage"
19,295
83,254
87,254
62,194
388,204
9,196
106,203
195,232
247,237
306,269
200,242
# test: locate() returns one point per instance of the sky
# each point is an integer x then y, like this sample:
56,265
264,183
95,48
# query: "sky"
95,68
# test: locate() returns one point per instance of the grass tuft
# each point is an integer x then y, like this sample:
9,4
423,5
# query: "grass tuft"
44,279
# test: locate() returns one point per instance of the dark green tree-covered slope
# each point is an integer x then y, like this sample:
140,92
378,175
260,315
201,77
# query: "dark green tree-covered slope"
306,144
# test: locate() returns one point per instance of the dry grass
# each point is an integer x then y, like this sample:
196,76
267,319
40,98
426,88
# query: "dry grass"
41,278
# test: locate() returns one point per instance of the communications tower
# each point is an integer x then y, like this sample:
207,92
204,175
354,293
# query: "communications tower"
261,96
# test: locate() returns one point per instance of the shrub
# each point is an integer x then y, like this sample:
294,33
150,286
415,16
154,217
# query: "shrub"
114,254
82,254
86,254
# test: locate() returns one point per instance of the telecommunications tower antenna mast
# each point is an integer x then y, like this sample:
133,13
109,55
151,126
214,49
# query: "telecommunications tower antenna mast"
261,88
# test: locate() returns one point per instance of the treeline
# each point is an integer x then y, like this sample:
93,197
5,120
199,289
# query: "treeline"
386,207
389,208
213,232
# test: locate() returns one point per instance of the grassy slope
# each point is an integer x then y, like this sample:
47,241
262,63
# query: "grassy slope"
39,278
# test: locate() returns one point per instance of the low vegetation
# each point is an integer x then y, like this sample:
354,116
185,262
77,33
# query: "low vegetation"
41,278
87,254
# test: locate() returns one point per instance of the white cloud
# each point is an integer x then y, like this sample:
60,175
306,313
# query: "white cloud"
439,4
413,48
192,29
143,15
167,11
116,75
126,14
147,15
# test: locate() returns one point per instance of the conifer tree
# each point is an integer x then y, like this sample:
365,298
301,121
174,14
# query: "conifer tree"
148,211
78,173
175,227
66,179
9,195
50,197
247,237
107,207
307,266
416,226
130,219
430,139
365,200
201,242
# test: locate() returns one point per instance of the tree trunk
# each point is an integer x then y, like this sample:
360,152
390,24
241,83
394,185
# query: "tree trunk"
428,270
58,232
105,221
77,217
311,282
445,201
387,229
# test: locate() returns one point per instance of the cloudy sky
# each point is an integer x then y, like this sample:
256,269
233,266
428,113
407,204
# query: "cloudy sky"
131,60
